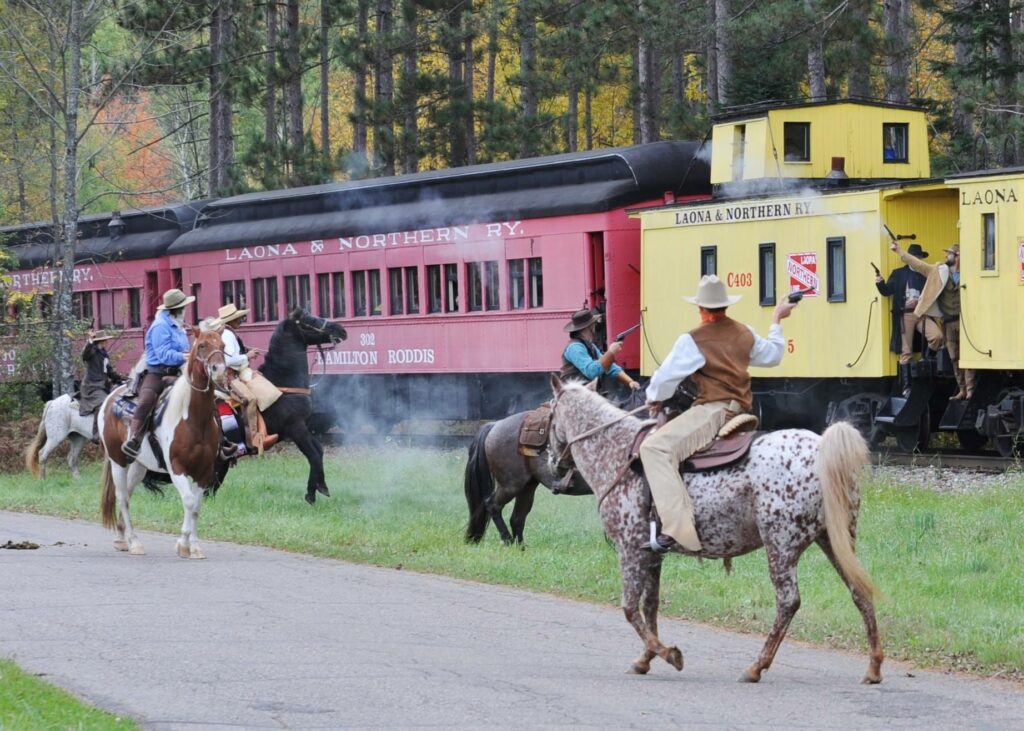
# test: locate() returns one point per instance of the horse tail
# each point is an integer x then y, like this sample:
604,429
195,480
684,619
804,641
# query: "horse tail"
32,451
479,485
107,508
841,456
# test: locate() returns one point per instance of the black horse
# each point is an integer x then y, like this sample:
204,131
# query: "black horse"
287,366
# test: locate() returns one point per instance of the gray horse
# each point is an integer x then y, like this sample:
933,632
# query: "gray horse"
61,420
793,489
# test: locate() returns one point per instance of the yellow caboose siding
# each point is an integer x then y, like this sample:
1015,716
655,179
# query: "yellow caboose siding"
992,298
850,130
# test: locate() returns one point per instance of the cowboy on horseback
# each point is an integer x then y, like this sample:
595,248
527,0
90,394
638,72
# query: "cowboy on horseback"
716,356
100,377
167,348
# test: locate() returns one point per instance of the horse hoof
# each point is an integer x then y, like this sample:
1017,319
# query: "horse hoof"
322,489
674,657
751,675
870,679
195,552
121,545
137,550
310,498
183,550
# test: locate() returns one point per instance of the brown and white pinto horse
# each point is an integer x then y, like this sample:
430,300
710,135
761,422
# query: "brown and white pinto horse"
793,489
189,436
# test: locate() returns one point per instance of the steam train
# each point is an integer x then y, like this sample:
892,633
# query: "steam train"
454,285
805,197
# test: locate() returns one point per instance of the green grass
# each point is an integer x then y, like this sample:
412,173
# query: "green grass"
28,703
947,564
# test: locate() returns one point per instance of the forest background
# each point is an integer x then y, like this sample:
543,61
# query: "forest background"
118,104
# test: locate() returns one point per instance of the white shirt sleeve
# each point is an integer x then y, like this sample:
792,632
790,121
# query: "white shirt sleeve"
768,351
232,353
684,360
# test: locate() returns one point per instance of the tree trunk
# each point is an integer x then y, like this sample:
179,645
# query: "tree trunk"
815,53
384,90
897,46
723,51
963,125
645,77
468,117
410,89
293,86
359,126
858,80
527,69
270,102
493,21
221,139
325,83
588,116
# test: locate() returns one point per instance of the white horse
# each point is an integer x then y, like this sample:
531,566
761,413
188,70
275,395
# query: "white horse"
61,420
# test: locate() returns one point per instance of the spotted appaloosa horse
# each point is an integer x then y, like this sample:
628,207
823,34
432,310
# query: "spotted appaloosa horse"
189,438
794,489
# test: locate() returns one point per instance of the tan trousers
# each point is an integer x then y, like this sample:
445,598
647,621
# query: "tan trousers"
964,377
927,326
663,452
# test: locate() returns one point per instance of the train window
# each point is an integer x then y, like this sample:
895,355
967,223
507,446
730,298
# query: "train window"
359,293
516,300
797,141
433,288
836,269
376,295
264,297
106,308
988,222
474,286
894,142
296,292
195,303
766,272
395,297
536,283
323,294
412,291
45,306
491,285
135,308
451,288
338,290
233,291
81,307
708,260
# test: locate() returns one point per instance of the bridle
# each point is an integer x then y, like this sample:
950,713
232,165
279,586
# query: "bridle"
207,366
320,329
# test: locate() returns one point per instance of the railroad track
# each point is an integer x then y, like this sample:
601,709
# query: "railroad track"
952,459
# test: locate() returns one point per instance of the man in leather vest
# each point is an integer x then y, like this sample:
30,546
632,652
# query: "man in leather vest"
715,356
582,359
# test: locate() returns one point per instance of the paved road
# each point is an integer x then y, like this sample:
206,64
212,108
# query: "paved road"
254,638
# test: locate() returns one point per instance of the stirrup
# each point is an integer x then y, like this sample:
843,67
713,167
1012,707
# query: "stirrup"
130,451
653,545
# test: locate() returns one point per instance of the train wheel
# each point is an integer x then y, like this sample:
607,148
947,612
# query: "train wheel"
1008,444
915,438
971,439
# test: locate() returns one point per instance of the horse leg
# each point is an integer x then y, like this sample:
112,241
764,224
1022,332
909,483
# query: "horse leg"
77,442
641,579
125,480
494,504
782,567
522,507
52,442
313,453
187,544
867,612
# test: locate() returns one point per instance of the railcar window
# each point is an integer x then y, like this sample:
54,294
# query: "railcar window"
797,141
195,304
433,288
451,287
708,260
81,306
988,222
395,281
474,286
233,291
323,294
836,269
536,282
894,142
516,290
296,292
134,308
376,294
106,308
338,290
45,306
412,290
491,285
359,293
265,302
766,271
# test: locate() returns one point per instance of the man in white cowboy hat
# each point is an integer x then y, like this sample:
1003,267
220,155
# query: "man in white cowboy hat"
582,359
167,348
230,316
716,354
100,377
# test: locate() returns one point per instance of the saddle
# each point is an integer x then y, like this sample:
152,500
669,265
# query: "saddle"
730,446
124,409
533,434
236,420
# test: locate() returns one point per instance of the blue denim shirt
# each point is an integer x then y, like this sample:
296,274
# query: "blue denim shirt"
166,340
576,353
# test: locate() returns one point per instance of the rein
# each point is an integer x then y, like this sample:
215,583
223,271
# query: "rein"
206,366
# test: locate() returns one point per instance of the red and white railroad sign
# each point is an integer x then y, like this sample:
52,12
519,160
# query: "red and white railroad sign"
803,272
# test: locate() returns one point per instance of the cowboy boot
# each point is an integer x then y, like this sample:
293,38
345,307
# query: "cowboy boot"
133,444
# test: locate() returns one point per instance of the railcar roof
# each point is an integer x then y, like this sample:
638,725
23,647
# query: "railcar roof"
574,183
148,232
759,109
986,173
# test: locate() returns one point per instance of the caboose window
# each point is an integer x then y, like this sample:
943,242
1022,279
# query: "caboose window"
233,291
106,307
359,294
412,291
338,291
536,283
323,294
708,260
766,271
264,295
988,222
433,288
135,308
797,141
894,142
395,291
376,294
451,288
195,304
474,286
836,269
296,292
81,306
491,285
516,291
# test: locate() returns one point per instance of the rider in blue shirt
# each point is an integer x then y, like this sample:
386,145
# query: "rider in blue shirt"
167,348
583,359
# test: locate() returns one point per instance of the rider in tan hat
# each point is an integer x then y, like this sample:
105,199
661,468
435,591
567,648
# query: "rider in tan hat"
582,359
716,354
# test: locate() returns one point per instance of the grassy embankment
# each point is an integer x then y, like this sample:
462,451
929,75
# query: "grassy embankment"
947,563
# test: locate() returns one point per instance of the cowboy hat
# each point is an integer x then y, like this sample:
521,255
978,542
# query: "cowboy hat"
581,319
916,250
174,299
229,312
954,249
99,335
211,324
711,294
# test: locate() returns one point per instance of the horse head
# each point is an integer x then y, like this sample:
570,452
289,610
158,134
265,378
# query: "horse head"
559,440
206,363
316,330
